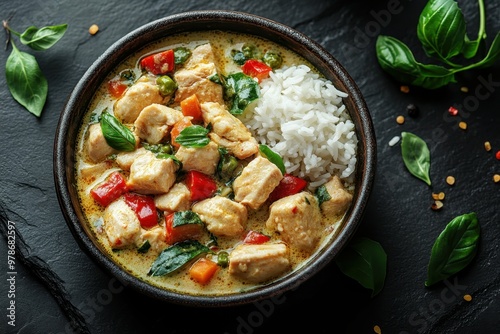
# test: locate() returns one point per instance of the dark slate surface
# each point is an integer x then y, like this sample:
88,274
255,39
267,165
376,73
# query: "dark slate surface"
398,215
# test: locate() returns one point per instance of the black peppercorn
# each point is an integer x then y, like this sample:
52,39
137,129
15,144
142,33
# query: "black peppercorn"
412,110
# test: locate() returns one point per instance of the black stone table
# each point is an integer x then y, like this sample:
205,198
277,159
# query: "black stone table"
398,216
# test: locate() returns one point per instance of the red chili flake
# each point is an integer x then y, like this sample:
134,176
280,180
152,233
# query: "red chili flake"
294,209
453,111
497,155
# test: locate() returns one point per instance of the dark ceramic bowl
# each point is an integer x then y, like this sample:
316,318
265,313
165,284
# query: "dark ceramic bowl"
72,115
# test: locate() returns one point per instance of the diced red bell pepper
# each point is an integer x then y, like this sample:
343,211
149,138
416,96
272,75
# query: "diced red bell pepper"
255,238
182,232
289,185
109,190
256,69
159,63
116,87
144,207
200,185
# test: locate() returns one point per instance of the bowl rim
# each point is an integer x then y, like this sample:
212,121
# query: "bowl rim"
63,153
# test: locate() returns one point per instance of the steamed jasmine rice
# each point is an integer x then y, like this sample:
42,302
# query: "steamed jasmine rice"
301,116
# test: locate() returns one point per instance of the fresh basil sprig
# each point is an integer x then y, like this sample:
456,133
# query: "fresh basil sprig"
193,136
416,156
25,79
365,261
454,248
117,135
442,32
43,38
176,256
272,156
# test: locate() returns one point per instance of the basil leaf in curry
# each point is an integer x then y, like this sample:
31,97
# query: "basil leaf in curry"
186,217
241,90
416,156
43,38
322,194
454,248
25,80
193,136
273,157
176,256
365,261
117,135
181,54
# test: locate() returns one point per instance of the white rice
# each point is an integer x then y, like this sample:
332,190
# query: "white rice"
301,117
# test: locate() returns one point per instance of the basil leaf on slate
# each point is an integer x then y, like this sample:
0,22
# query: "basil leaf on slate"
416,156
43,38
25,80
397,59
365,261
174,257
193,136
117,135
441,29
454,248
273,157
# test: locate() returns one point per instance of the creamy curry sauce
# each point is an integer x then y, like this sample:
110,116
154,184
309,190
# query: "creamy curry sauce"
90,174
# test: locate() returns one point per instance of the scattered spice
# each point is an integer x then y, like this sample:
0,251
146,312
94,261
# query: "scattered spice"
450,180
438,196
412,110
497,155
453,111
487,146
404,89
462,125
467,298
377,329
496,178
464,89
400,119
437,205
394,140
93,29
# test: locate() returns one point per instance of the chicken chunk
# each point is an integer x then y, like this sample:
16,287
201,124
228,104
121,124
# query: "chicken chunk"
136,98
178,198
121,224
222,216
259,263
156,238
151,175
125,159
256,182
228,131
339,201
297,219
203,159
193,78
97,147
155,121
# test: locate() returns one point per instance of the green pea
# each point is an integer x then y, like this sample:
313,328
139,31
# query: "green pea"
223,259
238,57
249,51
272,59
166,85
